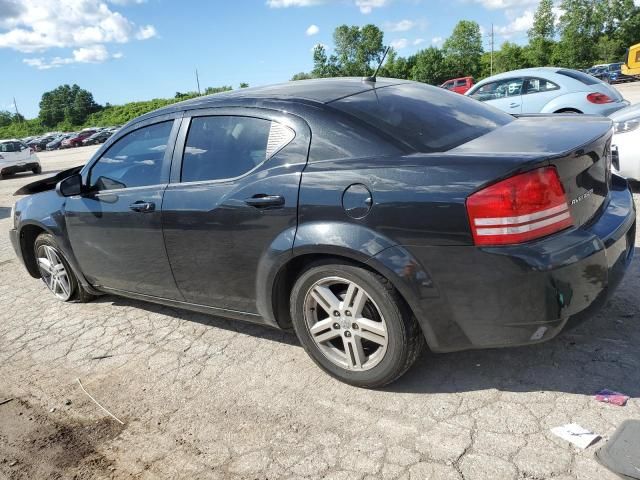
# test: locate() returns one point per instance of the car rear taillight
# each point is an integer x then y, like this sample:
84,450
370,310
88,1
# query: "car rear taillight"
521,208
599,98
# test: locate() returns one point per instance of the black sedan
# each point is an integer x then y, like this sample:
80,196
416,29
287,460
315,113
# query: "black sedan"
370,217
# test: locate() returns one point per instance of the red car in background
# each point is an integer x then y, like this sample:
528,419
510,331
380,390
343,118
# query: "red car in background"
76,141
458,85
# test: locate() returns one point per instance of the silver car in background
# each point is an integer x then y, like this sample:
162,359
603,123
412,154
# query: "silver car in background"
548,90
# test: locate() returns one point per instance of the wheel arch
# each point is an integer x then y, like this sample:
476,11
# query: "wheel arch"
390,262
28,234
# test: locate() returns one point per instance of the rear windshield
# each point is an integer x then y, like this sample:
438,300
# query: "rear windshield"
424,118
581,77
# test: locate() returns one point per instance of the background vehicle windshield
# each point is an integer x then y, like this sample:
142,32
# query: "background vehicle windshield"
424,118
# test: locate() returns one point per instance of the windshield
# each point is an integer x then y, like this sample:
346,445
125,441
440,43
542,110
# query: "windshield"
425,118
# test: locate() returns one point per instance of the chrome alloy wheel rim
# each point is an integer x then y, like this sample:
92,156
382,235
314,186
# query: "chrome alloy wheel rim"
53,271
345,323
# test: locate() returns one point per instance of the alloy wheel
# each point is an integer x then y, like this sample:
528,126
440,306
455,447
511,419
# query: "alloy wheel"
54,273
345,323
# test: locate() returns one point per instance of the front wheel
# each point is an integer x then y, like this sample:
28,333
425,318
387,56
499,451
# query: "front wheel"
354,324
56,273
37,170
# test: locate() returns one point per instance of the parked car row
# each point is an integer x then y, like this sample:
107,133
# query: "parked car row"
610,73
59,140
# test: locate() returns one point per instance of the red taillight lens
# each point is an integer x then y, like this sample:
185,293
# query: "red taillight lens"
599,98
521,208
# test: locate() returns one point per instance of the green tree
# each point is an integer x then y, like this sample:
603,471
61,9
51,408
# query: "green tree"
462,50
509,57
323,65
66,103
397,67
302,76
430,67
5,118
541,35
244,85
356,48
580,26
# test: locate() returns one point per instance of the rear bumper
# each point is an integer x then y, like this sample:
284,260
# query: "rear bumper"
9,169
517,295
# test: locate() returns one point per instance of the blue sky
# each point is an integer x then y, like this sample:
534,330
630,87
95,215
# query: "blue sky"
124,50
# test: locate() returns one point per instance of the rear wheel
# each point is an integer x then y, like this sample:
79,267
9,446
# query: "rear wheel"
37,170
56,273
354,325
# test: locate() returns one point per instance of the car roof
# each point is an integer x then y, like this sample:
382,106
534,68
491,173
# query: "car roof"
10,140
320,90
523,72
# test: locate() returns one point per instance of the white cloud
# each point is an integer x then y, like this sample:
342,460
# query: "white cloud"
437,40
91,54
519,24
366,6
401,26
418,41
399,43
312,30
292,3
37,25
504,4
146,32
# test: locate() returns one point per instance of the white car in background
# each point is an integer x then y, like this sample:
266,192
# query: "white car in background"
626,142
16,157
548,90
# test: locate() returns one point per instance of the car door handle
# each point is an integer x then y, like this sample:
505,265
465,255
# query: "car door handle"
514,105
263,201
143,207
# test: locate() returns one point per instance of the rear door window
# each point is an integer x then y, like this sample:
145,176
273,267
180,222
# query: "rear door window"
538,85
422,117
227,147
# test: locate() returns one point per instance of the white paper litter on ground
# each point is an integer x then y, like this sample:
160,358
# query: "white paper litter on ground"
574,433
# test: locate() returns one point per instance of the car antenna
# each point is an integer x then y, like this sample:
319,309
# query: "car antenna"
372,78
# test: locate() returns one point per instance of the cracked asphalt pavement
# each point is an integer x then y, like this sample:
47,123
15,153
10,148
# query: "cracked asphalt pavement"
204,397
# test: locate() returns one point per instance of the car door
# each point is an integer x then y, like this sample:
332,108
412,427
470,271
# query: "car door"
115,228
233,194
504,94
538,92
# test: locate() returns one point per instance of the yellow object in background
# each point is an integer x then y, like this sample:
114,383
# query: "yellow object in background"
632,62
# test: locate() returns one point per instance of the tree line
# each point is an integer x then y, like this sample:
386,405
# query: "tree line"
587,32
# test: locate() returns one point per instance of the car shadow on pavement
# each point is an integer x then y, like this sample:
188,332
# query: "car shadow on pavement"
246,328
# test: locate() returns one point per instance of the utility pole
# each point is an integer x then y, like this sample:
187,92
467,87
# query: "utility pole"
15,105
491,68
198,81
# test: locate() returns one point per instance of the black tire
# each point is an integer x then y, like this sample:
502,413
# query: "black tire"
405,340
78,293
37,170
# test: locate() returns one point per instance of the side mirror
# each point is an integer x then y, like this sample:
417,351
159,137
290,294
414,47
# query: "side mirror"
70,186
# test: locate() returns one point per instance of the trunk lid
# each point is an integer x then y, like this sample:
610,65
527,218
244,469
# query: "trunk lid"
578,146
